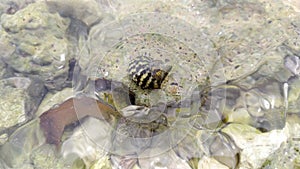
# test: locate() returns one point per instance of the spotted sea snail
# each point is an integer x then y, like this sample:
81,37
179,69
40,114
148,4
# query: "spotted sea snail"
148,73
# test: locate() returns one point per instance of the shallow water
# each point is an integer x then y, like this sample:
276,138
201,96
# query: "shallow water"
230,99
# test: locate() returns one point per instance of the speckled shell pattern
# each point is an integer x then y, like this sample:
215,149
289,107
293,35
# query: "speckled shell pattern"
145,74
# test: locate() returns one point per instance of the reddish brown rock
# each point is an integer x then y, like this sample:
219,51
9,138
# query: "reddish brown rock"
54,120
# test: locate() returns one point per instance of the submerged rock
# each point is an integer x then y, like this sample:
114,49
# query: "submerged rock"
209,163
90,141
293,3
102,163
168,159
12,6
294,95
6,50
188,148
5,71
17,150
39,42
232,49
256,147
221,147
20,99
46,157
87,11
54,121
52,99
126,162
288,154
